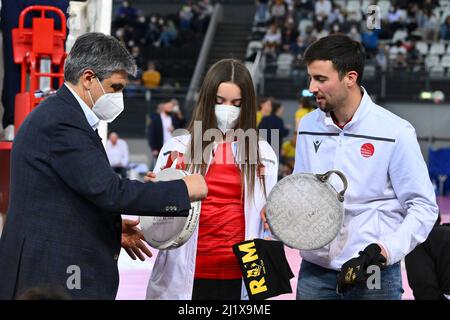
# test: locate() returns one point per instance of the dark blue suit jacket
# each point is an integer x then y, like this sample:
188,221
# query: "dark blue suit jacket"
155,132
65,205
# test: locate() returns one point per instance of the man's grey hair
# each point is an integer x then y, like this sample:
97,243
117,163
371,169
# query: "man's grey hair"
101,53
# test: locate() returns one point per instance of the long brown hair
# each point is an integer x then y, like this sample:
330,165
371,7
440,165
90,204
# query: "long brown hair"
228,70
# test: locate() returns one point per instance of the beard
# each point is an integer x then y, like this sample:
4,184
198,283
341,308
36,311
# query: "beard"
327,108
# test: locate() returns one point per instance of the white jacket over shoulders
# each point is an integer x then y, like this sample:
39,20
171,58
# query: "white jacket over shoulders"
390,199
172,277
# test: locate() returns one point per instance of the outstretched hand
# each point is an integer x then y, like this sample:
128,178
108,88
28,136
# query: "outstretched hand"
133,240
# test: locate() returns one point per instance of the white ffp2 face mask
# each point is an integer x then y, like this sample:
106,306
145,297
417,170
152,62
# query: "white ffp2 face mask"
108,106
227,116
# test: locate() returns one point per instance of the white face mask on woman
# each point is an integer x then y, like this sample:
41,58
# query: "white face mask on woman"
227,116
108,106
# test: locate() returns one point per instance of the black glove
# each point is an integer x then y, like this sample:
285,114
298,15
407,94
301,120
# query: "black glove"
355,270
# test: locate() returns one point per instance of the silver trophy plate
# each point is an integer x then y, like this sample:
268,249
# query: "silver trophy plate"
305,211
170,232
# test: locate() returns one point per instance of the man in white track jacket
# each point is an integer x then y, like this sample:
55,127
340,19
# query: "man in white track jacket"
390,205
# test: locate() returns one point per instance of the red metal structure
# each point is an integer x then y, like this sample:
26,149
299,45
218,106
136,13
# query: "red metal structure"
30,46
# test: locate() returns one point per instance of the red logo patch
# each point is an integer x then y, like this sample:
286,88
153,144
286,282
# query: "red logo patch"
367,150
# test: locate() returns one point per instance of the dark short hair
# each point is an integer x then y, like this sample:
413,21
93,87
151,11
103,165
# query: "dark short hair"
345,54
102,53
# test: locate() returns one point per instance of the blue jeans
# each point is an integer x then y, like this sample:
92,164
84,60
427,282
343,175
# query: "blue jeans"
318,283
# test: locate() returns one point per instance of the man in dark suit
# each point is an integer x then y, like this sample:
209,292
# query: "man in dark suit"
64,225
162,124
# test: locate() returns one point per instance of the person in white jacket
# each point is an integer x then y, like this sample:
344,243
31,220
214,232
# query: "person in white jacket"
240,172
390,204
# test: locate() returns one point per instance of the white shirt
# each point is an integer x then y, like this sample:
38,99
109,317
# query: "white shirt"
89,114
272,37
390,199
167,127
118,154
323,7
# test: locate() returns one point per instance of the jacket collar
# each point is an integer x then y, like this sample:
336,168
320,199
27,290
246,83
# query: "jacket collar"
92,119
71,102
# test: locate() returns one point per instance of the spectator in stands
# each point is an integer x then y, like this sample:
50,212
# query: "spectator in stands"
176,110
411,17
272,41
169,34
153,32
274,124
397,55
354,33
186,16
381,58
140,60
205,266
335,28
141,28
308,34
204,10
289,36
304,107
162,124
444,31
335,16
395,18
303,9
279,11
369,39
264,108
384,221
262,11
120,35
127,12
151,78
288,156
428,265
322,10
320,31
430,26
118,154
414,57
299,46
429,5
134,83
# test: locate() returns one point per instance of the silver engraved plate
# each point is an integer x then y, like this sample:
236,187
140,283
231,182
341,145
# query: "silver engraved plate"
170,232
305,211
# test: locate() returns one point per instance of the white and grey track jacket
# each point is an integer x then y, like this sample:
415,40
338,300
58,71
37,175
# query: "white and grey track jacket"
390,199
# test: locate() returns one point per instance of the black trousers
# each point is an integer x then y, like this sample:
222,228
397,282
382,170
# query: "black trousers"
217,289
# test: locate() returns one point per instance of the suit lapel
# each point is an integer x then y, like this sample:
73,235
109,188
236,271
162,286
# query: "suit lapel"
65,94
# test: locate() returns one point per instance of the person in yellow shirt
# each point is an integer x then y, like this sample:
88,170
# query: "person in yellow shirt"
264,108
288,155
304,107
151,77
